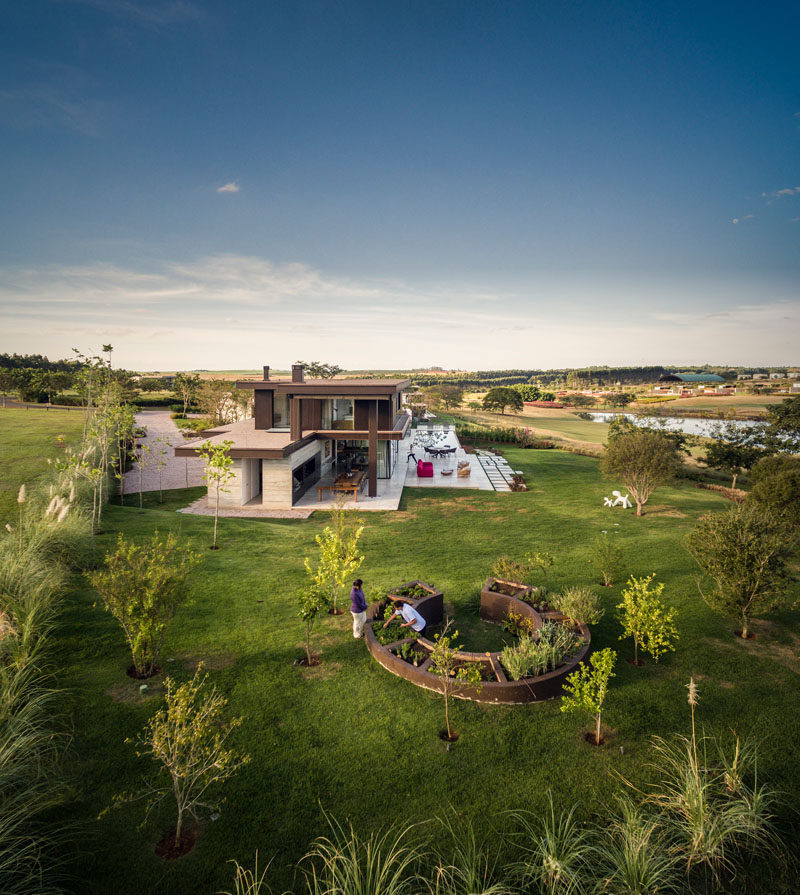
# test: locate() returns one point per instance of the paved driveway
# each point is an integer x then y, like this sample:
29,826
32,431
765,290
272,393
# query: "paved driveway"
162,436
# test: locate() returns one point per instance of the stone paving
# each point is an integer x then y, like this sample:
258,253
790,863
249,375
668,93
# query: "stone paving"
162,436
497,469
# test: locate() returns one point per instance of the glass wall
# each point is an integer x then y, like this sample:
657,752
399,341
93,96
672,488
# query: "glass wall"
280,412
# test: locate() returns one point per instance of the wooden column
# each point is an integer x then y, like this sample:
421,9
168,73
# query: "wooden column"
262,408
372,451
296,419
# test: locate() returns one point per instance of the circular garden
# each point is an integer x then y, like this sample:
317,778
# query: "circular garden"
548,645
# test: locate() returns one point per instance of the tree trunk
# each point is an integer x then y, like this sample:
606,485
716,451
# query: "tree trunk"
735,476
597,731
639,506
745,627
447,714
635,650
216,516
308,643
179,828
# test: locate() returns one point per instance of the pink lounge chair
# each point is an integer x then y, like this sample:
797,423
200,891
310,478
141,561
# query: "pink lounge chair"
424,469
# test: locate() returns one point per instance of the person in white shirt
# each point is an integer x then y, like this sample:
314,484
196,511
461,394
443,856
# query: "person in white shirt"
411,618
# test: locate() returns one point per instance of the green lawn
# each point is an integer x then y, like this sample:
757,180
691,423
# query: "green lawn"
349,737
27,439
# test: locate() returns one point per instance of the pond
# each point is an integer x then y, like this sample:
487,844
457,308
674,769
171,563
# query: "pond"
687,425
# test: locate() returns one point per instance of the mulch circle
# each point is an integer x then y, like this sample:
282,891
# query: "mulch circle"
590,739
750,635
304,663
167,849
637,662
336,612
448,739
131,672
213,547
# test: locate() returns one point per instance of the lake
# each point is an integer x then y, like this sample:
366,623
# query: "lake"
687,425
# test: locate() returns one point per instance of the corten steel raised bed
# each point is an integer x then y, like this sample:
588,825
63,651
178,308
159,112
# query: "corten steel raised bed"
494,608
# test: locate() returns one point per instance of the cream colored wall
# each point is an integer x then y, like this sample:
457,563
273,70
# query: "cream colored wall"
231,494
276,480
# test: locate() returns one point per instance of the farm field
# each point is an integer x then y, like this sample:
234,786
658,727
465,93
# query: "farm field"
758,403
349,738
27,439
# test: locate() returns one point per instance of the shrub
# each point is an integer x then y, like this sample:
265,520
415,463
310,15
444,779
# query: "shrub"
143,587
519,625
580,604
507,569
645,618
531,657
608,558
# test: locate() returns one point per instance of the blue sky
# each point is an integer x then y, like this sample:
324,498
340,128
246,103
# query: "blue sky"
469,184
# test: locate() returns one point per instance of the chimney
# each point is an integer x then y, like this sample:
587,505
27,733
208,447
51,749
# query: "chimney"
266,373
297,373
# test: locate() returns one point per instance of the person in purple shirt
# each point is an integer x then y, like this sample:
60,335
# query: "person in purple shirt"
358,608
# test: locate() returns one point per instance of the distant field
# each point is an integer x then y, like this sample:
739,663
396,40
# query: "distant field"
27,439
739,402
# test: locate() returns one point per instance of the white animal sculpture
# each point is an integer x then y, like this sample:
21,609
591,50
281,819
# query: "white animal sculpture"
621,501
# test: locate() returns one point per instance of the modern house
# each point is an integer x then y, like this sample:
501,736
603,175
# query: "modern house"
303,430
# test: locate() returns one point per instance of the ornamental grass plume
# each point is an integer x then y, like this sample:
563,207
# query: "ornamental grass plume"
21,494
693,700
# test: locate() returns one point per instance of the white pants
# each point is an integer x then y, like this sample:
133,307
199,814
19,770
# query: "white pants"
359,620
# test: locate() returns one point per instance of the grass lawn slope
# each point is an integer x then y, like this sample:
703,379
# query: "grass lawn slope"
350,738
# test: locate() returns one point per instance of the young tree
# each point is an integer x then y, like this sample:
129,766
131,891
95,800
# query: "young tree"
542,560
451,671
187,388
313,600
188,738
579,400
645,617
161,452
143,455
586,688
143,586
125,428
643,460
733,450
500,397
608,558
745,552
776,488
218,473
339,558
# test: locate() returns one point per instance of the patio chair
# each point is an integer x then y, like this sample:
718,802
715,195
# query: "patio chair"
424,469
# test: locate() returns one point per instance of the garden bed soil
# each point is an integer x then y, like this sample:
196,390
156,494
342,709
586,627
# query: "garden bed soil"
591,740
751,635
304,663
169,851
451,738
636,662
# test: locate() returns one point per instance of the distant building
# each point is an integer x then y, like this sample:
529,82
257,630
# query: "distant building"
690,378
777,376
744,376
760,375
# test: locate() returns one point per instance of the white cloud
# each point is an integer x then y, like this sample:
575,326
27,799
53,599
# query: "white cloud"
779,194
743,218
232,187
232,311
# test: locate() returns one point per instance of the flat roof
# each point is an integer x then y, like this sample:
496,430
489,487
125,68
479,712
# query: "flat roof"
327,386
245,438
